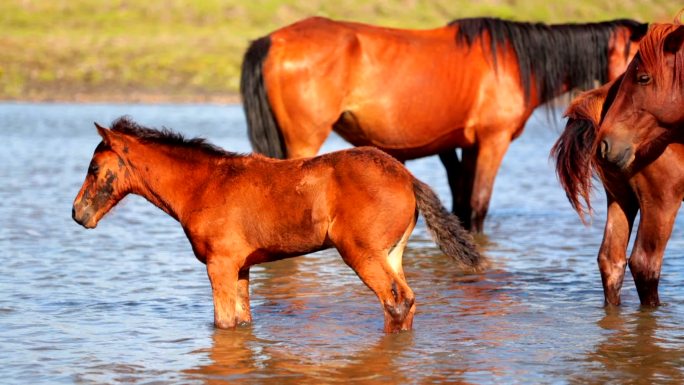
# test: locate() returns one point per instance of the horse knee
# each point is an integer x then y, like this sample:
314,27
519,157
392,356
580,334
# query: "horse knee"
644,268
646,274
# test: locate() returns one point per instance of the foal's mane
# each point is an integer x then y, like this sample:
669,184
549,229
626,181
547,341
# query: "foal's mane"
125,125
553,54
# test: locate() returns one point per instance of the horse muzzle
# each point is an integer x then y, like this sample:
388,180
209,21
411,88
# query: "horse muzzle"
83,217
620,155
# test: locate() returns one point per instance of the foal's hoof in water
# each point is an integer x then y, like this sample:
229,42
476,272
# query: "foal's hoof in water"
224,325
399,318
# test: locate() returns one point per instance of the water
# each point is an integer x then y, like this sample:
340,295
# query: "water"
128,302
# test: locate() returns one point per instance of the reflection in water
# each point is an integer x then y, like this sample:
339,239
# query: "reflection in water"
309,332
238,355
635,350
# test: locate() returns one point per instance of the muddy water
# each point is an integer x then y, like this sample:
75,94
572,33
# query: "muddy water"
128,302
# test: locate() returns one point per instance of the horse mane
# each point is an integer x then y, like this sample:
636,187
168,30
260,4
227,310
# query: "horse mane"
551,54
575,148
651,49
125,125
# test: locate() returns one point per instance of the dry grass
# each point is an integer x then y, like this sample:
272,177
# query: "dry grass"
184,50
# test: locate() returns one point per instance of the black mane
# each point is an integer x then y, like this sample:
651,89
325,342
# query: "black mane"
165,136
554,54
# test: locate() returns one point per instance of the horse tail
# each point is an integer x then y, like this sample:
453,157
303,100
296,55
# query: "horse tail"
446,229
262,127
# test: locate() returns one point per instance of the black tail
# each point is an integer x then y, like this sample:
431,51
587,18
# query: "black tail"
264,132
446,229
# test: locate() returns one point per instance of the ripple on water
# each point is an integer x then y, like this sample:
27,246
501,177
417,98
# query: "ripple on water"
128,302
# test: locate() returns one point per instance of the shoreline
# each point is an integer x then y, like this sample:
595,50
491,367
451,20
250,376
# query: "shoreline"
127,98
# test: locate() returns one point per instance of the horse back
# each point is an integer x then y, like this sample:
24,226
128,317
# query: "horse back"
270,209
408,92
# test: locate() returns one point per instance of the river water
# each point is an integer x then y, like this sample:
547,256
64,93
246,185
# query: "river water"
129,303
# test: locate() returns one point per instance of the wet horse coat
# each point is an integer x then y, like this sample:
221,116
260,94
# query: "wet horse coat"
412,93
241,210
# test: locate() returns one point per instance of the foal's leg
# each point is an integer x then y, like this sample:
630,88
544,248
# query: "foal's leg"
243,313
382,272
655,227
396,298
394,260
223,274
612,258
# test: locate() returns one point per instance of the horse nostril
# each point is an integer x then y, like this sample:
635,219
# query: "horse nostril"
73,213
604,149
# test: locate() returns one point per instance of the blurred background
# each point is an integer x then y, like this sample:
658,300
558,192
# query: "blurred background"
191,50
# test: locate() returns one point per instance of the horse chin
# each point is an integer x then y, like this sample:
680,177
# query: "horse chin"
91,224
625,162
88,221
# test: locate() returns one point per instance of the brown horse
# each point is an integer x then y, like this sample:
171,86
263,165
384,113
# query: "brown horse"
241,210
655,187
648,111
412,93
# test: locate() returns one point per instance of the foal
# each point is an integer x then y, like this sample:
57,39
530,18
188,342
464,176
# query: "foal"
241,210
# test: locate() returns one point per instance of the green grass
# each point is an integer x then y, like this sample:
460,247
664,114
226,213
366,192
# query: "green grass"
186,50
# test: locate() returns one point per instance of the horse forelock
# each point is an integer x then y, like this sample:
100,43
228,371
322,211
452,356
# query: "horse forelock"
165,136
651,50
575,55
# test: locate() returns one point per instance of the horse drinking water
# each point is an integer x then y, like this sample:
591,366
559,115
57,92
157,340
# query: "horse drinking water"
412,93
241,210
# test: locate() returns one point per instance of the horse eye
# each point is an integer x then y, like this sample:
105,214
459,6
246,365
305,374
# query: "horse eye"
643,79
93,169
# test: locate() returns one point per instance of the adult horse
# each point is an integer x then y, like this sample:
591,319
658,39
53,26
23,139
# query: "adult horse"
412,93
645,175
241,210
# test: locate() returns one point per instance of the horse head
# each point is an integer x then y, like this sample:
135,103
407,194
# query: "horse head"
106,182
649,105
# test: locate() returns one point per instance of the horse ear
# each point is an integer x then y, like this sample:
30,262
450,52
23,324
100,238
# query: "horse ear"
109,137
674,40
104,133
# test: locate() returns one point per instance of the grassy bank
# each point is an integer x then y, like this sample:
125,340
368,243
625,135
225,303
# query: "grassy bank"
185,50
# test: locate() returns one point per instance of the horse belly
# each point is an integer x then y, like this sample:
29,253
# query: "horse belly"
404,137
411,100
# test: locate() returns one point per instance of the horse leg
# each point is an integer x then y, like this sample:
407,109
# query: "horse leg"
396,297
612,257
305,144
243,313
454,173
223,275
305,106
394,260
483,163
655,227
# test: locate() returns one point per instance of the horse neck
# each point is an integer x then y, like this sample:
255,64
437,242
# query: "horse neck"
168,176
569,61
